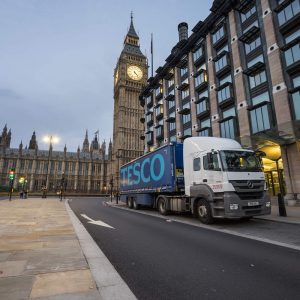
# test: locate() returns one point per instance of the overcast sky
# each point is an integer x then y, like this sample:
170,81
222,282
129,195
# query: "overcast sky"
57,59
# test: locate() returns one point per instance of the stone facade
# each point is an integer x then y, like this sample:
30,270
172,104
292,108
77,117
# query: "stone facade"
236,76
130,77
85,171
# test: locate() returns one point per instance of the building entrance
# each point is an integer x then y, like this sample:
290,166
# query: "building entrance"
273,169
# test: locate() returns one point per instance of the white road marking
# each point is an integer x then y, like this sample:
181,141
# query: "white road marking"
100,223
209,227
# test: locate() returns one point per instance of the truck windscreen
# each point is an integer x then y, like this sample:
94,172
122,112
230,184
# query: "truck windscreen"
240,161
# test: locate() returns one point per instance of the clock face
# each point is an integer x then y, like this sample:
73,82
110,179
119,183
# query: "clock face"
134,72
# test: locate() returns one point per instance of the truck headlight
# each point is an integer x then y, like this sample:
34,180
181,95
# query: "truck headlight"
233,206
268,204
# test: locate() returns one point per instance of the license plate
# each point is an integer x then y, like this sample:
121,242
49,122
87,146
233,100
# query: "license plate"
253,203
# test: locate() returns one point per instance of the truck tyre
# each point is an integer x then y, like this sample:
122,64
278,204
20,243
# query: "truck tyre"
135,205
204,212
130,203
162,205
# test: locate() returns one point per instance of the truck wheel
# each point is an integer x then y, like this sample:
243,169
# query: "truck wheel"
204,212
135,205
162,206
130,204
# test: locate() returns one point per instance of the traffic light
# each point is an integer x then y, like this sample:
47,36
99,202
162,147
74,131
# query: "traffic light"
22,180
12,174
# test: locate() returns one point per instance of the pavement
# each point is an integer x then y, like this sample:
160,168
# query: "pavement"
47,254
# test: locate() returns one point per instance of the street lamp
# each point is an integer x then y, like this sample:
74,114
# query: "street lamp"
51,140
118,156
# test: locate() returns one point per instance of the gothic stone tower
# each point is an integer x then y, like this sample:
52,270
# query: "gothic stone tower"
130,78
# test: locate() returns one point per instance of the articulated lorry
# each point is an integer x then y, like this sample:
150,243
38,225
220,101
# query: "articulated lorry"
207,176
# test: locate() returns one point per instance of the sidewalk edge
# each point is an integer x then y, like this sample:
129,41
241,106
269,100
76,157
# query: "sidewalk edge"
110,284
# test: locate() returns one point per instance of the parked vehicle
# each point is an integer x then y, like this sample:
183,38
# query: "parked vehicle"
210,177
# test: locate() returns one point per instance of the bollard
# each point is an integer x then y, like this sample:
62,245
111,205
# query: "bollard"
281,206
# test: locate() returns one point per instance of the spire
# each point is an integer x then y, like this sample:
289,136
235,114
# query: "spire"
33,142
65,148
131,31
86,144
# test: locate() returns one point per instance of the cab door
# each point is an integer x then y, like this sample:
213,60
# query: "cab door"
212,172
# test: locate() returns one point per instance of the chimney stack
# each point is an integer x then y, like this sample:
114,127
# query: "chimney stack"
183,31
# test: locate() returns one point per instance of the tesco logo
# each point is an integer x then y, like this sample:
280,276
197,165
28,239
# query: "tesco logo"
150,169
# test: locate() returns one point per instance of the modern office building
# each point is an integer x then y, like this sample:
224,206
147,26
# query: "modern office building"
130,78
84,171
236,76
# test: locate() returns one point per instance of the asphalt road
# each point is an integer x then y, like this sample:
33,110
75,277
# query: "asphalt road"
170,260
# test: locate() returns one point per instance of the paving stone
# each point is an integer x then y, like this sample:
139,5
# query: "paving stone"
62,283
16,288
12,268
94,295
4,255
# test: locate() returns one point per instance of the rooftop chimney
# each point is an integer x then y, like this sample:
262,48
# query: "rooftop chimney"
183,31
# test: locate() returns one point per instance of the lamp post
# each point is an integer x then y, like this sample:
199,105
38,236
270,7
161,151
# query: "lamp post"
48,139
119,155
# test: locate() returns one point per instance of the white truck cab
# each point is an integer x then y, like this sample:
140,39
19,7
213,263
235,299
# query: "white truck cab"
223,179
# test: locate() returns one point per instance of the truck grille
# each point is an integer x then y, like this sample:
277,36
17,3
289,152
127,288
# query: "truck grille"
249,189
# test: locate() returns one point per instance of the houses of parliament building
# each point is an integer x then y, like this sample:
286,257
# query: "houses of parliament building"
84,171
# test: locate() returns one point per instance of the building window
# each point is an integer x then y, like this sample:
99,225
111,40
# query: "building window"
254,61
186,118
225,79
172,126
260,98
260,119
292,36
201,78
159,131
149,100
288,12
221,63
204,127
158,90
197,54
260,116
185,93
292,55
227,129
201,107
149,137
228,113
203,94
187,132
170,82
252,45
257,79
171,104
224,94
246,15
216,36
159,110
183,71
149,118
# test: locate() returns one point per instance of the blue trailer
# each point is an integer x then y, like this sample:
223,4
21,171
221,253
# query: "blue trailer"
207,176
156,173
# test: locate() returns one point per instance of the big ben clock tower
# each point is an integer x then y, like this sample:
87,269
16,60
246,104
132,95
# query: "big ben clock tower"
130,77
